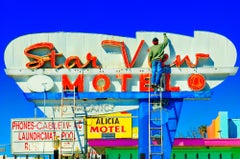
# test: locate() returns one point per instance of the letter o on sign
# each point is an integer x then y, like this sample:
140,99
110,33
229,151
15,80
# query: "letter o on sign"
101,82
196,82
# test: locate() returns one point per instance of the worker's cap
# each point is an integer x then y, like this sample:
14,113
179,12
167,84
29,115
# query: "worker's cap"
155,39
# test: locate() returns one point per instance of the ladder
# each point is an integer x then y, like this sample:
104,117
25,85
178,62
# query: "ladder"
155,119
72,144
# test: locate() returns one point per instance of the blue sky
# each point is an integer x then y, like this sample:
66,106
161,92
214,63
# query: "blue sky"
122,18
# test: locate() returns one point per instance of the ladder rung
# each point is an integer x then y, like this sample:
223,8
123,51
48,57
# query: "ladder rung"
68,113
155,94
156,103
157,145
72,106
158,109
67,155
155,119
80,114
155,128
68,139
68,98
68,95
156,137
156,153
81,135
68,90
66,148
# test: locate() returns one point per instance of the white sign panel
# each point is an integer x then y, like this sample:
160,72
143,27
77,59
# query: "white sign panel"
36,136
118,61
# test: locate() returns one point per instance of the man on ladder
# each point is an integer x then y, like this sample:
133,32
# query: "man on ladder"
155,58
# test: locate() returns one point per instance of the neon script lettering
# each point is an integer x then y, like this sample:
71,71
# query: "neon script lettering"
70,62
122,46
38,61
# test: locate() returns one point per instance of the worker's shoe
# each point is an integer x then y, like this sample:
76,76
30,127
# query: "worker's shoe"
159,88
153,85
